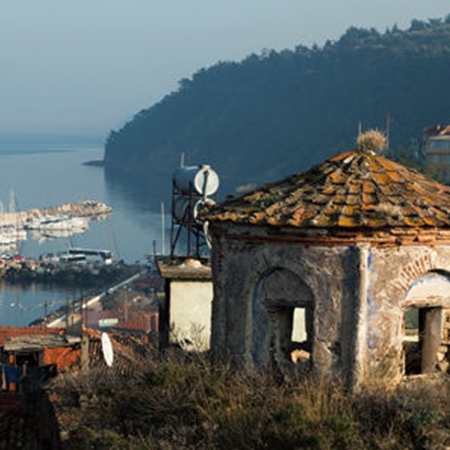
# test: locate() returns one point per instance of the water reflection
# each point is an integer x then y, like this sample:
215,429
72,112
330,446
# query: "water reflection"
20,305
138,192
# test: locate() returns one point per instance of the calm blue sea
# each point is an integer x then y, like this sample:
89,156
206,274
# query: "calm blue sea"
45,173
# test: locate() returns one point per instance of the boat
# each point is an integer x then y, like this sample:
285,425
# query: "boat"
11,232
54,223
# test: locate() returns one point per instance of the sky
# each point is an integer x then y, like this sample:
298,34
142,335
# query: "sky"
88,66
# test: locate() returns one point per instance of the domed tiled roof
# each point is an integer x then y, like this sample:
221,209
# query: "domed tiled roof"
356,189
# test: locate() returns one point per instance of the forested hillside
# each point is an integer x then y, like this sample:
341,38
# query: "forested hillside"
278,113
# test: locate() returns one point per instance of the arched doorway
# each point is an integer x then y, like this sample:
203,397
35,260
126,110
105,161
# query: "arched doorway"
426,324
282,319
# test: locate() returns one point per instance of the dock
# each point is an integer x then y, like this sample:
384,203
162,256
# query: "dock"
87,208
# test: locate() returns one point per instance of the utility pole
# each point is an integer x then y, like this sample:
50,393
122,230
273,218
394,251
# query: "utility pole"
163,226
388,129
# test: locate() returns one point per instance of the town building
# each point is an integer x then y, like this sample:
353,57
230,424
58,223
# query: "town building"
437,149
143,326
185,310
37,352
341,270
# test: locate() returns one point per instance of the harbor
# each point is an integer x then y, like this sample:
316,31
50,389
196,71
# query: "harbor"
88,208
38,287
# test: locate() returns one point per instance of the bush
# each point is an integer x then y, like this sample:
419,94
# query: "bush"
181,401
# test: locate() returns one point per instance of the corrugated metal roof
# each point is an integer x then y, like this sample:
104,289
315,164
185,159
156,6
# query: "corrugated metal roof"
7,332
38,342
353,190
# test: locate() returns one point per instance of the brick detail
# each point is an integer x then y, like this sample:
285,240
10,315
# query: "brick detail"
414,270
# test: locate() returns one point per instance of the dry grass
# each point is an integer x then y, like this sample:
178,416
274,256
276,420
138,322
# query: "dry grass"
182,401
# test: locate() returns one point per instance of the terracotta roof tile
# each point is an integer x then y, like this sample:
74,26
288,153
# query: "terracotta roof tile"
352,190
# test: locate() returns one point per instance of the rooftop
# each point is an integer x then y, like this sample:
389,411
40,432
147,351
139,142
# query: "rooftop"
184,269
354,190
8,332
141,323
39,342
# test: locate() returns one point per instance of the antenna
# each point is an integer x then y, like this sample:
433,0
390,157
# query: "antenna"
163,230
388,129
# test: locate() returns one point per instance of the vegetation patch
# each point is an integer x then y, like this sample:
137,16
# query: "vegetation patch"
182,401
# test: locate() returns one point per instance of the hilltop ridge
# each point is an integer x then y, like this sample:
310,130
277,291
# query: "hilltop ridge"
277,113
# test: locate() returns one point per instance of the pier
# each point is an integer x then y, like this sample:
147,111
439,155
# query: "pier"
88,208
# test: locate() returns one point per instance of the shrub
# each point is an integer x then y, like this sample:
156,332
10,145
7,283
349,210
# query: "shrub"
182,401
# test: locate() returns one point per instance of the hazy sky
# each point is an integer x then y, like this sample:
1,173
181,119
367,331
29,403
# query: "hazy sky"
90,65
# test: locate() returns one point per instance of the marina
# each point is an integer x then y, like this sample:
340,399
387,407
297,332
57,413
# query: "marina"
47,223
129,229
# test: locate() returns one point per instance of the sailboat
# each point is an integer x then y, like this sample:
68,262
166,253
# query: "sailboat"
11,229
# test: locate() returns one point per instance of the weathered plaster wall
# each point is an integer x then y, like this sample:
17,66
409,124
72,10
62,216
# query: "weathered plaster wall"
392,272
359,293
330,273
190,311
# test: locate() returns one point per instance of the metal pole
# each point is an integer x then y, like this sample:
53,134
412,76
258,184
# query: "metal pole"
163,226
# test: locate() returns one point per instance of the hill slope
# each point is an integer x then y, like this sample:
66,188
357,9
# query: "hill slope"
278,113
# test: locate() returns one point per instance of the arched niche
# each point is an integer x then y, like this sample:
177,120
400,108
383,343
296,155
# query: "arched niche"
426,324
282,319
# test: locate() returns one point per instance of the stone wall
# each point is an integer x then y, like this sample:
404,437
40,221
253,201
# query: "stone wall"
359,292
330,274
392,272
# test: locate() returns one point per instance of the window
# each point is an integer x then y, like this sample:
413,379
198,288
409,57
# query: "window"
426,324
282,320
301,336
422,341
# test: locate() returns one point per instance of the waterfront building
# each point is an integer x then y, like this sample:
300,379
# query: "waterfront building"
437,148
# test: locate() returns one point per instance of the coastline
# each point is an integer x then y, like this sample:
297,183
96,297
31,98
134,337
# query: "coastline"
56,318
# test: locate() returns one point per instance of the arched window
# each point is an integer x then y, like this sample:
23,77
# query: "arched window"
282,319
427,324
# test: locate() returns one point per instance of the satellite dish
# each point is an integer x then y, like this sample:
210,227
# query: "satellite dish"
108,353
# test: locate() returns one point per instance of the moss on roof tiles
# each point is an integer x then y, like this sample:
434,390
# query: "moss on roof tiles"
353,190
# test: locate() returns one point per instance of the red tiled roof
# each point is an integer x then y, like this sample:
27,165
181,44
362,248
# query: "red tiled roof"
353,190
154,281
93,317
7,332
140,323
437,130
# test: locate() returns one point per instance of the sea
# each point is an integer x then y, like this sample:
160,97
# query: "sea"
44,171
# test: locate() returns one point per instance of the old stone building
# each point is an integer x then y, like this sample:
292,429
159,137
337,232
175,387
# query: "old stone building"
343,269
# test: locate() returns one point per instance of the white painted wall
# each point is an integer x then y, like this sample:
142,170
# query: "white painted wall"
190,313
